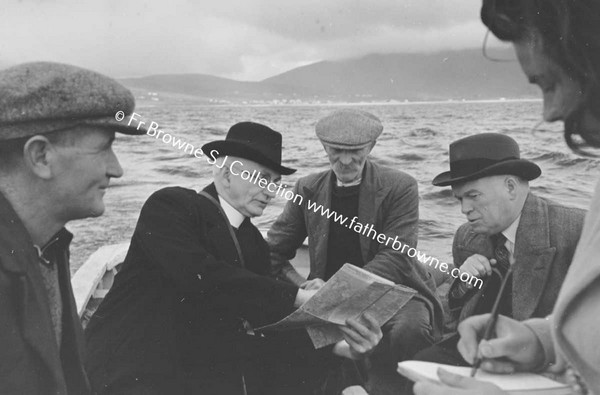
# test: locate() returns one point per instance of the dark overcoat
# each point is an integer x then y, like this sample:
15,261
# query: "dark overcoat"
30,360
175,311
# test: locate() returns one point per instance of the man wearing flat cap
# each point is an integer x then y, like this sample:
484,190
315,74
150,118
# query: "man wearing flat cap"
57,125
507,226
195,281
383,199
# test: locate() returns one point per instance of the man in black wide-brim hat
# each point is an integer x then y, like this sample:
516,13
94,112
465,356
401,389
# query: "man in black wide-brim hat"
507,226
195,280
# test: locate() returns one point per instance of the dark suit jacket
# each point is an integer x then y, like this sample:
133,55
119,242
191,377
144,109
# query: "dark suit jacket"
30,360
544,245
176,306
388,200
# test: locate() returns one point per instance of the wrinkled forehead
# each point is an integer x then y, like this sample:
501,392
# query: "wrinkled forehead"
82,135
481,185
354,152
265,171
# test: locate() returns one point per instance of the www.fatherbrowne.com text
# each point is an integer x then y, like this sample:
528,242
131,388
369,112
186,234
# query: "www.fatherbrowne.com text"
214,158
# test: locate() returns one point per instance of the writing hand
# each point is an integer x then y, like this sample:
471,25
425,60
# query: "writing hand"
515,347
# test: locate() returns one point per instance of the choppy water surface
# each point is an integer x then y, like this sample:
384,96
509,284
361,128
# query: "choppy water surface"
415,139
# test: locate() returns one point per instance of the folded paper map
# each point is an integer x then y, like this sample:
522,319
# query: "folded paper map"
348,294
514,384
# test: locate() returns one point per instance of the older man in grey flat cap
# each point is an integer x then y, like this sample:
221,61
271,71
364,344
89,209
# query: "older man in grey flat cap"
57,125
380,199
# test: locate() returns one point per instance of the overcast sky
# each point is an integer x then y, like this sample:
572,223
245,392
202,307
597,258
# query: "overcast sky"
241,39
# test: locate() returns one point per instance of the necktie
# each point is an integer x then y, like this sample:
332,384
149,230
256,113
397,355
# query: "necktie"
501,253
490,292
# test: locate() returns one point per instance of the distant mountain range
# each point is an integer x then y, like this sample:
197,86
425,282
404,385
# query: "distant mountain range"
448,75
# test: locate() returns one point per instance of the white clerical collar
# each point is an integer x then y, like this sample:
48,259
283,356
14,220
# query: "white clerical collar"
235,217
348,184
511,232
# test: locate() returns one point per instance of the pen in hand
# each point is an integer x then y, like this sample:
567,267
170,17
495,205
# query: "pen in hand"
491,324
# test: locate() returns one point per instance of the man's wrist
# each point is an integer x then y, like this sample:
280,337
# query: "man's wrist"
542,330
298,301
342,349
301,297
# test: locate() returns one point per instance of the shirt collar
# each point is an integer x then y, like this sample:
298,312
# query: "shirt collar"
511,232
235,217
59,242
349,184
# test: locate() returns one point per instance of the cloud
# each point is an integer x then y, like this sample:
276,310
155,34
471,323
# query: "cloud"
318,20
250,39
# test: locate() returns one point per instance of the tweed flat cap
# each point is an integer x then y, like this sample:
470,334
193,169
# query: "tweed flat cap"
349,129
41,97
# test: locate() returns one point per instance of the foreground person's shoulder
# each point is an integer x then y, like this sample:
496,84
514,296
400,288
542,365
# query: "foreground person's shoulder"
313,178
392,174
172,195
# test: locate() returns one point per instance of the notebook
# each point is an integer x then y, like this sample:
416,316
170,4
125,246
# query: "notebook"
515,384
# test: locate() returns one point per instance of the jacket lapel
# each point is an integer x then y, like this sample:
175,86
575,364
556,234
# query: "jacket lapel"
317,224
220,237
218,233
72,339
371,196
474,244
18,256
533,257
370,199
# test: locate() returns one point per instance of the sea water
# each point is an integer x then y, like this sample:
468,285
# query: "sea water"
415,140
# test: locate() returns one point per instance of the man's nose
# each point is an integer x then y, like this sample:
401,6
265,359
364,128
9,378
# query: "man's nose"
113,168
465,207
345,159
553,110
268,193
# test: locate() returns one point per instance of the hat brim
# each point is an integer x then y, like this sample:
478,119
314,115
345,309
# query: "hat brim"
346,146
120,127
517,167
27,129
235,148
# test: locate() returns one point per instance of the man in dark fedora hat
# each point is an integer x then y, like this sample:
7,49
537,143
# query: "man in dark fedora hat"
507,226
57,125
179,316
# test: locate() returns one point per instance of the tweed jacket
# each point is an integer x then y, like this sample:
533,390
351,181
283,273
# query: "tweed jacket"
544,246
388,200
176,306
570,335
30,360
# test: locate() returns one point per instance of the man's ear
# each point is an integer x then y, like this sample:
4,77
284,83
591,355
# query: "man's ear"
226,176
512,185
38,153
